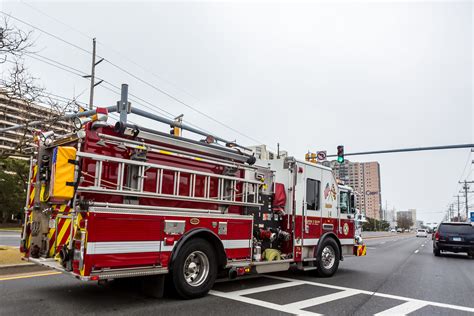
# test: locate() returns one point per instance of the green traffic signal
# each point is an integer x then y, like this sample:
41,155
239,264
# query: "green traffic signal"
340,154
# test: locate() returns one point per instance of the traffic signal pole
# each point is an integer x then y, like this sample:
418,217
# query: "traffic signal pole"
398,150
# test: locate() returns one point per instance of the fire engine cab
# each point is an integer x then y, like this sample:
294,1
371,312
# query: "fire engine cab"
112,201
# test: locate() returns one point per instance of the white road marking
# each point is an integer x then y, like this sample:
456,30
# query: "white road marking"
416,251
403,309
269,305
395,297
408,306
267,288
9,236
322,299
423,245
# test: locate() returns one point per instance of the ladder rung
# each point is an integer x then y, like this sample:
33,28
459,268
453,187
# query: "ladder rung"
193,186
219,189
177,181
158,172
120,173
98,174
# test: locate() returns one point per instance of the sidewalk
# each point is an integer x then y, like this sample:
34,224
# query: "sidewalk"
372,235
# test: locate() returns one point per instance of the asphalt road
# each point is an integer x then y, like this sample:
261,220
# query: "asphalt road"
399,275
10,238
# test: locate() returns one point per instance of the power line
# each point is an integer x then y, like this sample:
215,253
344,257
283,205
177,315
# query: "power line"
45,32
110,48
129,60
36,55
182,102
80,73
55,19
139,79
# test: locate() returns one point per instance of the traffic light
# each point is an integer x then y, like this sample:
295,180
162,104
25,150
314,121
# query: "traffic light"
340,154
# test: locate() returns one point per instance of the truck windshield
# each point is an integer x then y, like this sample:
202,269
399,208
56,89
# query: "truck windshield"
456,229
344,202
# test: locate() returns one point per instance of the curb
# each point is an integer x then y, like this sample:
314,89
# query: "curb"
373,237
8,269
385,236
5,266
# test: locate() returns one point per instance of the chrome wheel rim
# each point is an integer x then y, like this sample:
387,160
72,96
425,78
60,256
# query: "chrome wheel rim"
328,257
196,268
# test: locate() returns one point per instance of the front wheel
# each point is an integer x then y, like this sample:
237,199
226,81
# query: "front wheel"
327,258
195,269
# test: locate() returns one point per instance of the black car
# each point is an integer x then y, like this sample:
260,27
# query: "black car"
454,237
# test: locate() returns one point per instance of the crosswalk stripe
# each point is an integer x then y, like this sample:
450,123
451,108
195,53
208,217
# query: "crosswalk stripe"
322,299
403,309
248,300
267,288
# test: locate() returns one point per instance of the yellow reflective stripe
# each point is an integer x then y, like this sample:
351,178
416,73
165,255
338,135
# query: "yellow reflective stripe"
165,152
51,232
65,229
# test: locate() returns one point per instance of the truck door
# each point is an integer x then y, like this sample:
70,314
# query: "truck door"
346,217
311,225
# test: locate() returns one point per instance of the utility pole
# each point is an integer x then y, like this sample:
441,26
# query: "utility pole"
459,208
466,189
92,75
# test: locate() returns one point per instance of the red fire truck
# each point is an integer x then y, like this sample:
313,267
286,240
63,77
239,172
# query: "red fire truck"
115,201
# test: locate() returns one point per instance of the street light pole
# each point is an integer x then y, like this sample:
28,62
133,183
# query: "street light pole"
466,188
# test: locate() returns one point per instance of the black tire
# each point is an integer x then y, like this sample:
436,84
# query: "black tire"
195,255
327,258
436,252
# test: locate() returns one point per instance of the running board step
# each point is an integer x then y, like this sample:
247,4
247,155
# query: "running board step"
309,268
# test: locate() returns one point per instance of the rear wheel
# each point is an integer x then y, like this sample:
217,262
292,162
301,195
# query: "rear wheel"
194,270
327,258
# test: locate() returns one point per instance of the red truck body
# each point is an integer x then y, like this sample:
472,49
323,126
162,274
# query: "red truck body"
137,202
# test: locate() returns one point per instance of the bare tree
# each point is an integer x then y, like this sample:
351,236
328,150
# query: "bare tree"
14,42
20,88
404,221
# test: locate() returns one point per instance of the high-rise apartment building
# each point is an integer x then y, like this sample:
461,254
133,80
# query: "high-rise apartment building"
364,178
15,111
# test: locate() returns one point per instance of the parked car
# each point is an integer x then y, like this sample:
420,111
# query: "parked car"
454,237
421,233
393,230
399,230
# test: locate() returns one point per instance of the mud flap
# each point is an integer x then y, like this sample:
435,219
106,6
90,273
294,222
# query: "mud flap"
153,286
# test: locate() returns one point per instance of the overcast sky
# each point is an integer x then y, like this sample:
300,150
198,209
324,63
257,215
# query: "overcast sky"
311,76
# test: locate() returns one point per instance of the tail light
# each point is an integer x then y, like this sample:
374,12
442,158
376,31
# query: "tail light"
437,235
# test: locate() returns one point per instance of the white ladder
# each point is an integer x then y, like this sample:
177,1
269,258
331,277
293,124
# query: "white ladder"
231,190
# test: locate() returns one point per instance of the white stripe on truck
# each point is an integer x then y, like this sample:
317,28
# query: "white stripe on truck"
114,247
